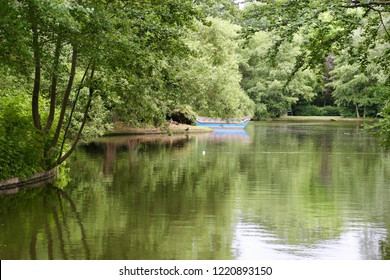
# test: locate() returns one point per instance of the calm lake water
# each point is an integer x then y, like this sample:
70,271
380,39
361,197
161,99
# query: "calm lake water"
273,191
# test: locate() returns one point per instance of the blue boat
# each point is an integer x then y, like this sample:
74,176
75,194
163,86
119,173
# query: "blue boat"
222,123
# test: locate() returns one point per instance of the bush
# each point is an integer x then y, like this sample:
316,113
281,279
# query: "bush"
20,149
184,115
382,128
261,113
347,112
311,110
330,111
307,110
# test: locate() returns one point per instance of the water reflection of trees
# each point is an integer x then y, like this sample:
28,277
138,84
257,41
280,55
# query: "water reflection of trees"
42,224
163,198
305,206
317,185
158,203
385,248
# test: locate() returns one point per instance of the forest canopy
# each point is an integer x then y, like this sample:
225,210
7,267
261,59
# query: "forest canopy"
346,42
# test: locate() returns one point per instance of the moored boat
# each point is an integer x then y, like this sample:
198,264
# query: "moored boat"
222,123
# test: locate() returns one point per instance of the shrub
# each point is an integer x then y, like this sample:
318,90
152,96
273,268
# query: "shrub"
382,127
311,110
183,114
347,112
20,149
261,113
330,111
307,110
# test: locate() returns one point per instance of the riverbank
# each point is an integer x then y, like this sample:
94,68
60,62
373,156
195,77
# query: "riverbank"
323,119
171,128
177,128
14,185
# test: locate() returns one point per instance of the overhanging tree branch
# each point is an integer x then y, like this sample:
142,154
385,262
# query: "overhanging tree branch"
358,4
73,109
384,25
53,89
66,98
61,159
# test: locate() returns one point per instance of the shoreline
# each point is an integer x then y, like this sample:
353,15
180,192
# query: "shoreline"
14,185
324,119
173,128
121,129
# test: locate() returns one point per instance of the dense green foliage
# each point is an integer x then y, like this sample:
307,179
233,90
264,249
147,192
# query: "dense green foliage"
268,83
359,86
17,134
82,65
209,81
311,110
76,56
345,42
184,115
382,128
20,145
327,27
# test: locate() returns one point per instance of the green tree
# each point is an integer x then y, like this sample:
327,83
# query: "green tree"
223,9
268,83
360,86
209,81
71,48
327,28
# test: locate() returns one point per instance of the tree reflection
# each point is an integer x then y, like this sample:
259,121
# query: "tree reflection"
206,197
43,228
171,184
385,248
